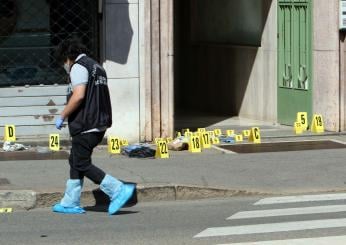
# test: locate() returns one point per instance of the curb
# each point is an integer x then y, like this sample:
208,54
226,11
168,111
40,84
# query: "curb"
21,199
28,199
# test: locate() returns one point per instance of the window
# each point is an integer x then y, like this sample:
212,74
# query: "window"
31,29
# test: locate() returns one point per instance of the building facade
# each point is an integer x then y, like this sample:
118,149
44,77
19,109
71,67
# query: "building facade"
169,61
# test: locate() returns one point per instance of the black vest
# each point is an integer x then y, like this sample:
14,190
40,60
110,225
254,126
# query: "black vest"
95,111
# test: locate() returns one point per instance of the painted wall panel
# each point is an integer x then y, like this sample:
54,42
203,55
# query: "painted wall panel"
121,40
125,106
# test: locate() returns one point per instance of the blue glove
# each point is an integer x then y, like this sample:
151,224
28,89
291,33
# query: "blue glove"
59,122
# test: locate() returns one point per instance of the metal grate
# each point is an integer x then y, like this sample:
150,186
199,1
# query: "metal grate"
31,29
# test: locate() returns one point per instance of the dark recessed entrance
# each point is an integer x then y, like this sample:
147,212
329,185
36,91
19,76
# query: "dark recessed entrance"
19,156
284,146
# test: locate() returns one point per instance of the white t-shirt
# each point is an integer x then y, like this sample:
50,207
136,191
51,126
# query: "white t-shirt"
79,75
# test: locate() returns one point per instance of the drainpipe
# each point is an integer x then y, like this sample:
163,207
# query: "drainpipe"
341,82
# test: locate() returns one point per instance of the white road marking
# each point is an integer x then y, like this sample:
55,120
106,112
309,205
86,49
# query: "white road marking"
304,198
288,211
273,227
333,240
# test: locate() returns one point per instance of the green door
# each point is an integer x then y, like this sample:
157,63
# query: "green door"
294,60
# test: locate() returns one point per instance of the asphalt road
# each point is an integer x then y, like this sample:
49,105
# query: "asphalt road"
193,222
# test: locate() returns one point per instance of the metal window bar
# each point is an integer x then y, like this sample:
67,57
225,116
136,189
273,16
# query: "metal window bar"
30,30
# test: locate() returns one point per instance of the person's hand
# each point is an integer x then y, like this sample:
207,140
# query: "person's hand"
59,122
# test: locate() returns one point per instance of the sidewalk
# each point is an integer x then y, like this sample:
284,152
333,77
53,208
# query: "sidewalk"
184,176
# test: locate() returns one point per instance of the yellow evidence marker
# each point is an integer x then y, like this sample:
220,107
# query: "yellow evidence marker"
217,132
255,135
239,138
246,133
302,117
169,139
161,149
177,134
114,145
230,132
54,142
201,130
205,140
10,133
215,141
185,130
195,144
298,129
157,140
124,143
6,210
317,124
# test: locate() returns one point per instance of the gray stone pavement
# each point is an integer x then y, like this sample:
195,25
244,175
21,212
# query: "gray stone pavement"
212,173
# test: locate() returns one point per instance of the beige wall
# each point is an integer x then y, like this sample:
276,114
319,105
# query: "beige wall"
260,98
326,99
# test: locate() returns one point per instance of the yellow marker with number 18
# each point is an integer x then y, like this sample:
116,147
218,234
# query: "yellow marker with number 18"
195,144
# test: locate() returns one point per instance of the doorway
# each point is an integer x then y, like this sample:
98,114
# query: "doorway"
217,61
294,60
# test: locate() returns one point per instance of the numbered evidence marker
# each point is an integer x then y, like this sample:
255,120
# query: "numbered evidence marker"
169,139
255,136
246,133
124,143
185,130
6,210
201,130
205,140
157,140
54,142
302,117
217,132
162,149
239,138
229,132
215,141
195,144
317,124
114,145
298,129
10,133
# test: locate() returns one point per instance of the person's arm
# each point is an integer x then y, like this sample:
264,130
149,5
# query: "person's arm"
75,101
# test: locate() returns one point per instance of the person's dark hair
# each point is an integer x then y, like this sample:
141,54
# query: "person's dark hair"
69,48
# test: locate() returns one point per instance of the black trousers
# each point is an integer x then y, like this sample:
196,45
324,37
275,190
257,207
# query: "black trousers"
80,157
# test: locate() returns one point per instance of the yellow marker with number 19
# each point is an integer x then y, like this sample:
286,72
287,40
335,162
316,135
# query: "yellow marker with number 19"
317,124
54,142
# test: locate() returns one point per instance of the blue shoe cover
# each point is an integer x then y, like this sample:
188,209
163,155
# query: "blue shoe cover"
124,195
60,209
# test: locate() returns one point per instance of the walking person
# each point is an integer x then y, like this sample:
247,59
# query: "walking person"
89,114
